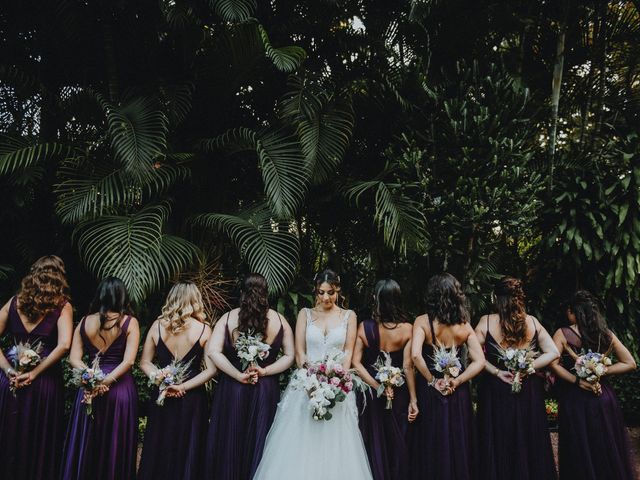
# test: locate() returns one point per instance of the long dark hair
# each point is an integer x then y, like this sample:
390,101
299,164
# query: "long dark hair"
254,304
44,289
111,296
510,304
446,301
332,278
591,324
387,307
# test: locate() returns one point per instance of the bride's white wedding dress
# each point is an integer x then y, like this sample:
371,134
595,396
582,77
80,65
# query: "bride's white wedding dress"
298,446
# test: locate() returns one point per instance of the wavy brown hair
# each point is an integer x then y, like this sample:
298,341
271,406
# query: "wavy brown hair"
44,289
254,304
387,307
591,324
446,302
184,301
510,303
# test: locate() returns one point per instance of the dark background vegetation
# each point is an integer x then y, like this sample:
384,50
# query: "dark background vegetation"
202,139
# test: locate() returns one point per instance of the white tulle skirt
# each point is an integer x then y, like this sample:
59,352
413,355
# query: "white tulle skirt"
298,446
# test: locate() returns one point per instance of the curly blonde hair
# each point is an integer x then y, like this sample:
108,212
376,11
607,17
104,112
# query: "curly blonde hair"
44,289
184,301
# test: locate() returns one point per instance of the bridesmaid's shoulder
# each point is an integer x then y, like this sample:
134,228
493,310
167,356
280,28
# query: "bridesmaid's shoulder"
421,320
7,305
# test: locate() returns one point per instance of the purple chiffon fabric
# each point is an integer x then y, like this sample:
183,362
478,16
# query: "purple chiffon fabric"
513,428
104,446
174,440
241,416
384,431
593,441
31,423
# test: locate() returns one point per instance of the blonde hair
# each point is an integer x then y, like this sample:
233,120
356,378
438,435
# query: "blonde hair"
184,301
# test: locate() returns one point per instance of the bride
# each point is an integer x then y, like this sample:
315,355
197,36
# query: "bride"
298,446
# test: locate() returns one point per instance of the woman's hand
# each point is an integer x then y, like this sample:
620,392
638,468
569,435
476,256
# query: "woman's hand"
96,392
595,388
413,411
441,385
248,378
506,377
388,392
452,384
175,391
257,370
24,379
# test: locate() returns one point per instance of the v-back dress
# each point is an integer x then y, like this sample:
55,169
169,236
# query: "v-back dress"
104,446
31,422
173,447
299,446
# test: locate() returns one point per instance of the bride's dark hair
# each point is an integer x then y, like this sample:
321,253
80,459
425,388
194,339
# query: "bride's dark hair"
332,278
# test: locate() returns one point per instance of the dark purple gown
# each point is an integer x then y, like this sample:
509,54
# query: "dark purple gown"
384,431
173,446
104,447
241,416
31,424
441,440
593,441
513,429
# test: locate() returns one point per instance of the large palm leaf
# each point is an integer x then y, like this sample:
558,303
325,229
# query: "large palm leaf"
286,59
17,153
135,249
234,10
398,216
285,173
138,131
268,247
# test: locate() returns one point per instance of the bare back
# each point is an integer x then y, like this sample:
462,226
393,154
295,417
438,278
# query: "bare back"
179,344
274,324
491,323
393,337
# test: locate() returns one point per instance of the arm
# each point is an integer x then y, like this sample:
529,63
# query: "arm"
149,350
203,377
7,368
549,350
356,361
130,352
77,349
477,360
300,340
410,375
506,377
65,331
215,352
561,342
288,353
350,341
417,341
625,362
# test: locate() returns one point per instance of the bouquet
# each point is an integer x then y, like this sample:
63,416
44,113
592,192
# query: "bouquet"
173,374
24,357
591,366
250,348
89,378
326,383
519,361
446,361
388,376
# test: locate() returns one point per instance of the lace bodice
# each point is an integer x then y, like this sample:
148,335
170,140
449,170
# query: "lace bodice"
318,345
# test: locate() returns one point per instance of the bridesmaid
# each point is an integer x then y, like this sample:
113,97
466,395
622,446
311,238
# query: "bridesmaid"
104,446
442,440
244,402
593,441
31,422
174,439
514,435
384,431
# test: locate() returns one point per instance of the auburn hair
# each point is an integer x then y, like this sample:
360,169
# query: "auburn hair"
510,303
44,289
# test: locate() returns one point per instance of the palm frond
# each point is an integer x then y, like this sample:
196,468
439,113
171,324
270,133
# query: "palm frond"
177,100
138,132
18,153
268,247
285,59
234,10
134,248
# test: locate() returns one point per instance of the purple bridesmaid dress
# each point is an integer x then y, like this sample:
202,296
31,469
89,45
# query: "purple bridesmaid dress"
513,428
241,416
384,431
173,446
441,440
104,447
31,423
593,441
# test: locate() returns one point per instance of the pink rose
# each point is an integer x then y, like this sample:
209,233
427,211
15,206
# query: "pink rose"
348,386
322,368
334,381
339,370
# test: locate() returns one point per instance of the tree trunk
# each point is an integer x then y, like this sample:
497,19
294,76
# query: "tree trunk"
555,100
